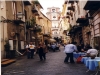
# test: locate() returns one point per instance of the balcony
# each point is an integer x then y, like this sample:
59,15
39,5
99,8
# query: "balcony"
18,22
71,8
46,34
75,29
81,20
36,14
38,3
71,1
26,2
92,5
65,32
34,10
67,17
28,24
68,13
37,28
40,17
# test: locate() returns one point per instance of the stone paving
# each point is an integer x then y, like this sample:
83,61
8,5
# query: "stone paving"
54,65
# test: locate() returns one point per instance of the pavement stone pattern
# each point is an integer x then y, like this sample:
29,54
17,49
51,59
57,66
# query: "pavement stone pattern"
54,65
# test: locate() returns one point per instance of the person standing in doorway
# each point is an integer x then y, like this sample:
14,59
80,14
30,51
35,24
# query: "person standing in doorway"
69,49
30,50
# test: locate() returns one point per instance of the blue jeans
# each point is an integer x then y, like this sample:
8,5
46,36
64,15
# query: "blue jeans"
30,54
69,55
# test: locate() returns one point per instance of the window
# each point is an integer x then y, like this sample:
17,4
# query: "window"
55,32
25,14
54,16
14,10
53,10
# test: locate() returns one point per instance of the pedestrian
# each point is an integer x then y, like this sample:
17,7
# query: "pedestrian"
45,50
86,47
42,51
30,50
48,46
69,49
79,48
92,52
53,47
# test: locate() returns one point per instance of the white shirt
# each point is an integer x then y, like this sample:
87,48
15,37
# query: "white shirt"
70,48
30,46
92,52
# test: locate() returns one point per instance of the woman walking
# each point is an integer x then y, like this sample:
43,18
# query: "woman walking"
42,50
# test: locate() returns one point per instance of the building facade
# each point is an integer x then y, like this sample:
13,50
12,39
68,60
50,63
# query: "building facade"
53,14
84,21
20,23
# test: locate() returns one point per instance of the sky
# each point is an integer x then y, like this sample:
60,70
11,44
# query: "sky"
50,3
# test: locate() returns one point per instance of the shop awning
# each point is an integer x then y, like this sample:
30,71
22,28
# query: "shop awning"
52,40
26,2
92,5
81,20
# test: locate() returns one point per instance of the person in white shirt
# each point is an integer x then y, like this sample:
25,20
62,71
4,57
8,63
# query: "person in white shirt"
69,49
92,52
30,50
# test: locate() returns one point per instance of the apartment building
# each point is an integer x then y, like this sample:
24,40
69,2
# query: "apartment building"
64,24
84,20
21,23
3,27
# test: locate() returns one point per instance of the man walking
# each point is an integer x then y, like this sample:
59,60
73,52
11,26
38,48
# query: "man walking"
30,50
69,49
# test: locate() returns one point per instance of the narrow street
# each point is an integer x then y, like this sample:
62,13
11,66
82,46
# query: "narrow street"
54,65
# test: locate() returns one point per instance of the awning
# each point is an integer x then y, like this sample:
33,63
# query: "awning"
71,8
81,20
52,40
34,10
18,21
92,5
26,2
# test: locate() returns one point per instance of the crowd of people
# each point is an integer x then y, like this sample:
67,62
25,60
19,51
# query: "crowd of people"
73,47
41,50
69,48
53,46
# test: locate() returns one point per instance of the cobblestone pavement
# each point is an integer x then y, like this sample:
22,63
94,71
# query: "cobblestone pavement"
54,65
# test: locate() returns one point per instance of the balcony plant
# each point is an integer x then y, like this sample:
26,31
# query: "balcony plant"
30,23
37,28
36,2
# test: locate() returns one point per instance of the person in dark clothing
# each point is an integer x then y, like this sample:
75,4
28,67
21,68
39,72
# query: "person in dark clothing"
42,51
79,48
86,47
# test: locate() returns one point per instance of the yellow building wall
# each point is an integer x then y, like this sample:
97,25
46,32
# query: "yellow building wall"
3,27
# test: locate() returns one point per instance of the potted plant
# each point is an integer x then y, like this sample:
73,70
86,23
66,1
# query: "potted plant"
36,2
30,23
